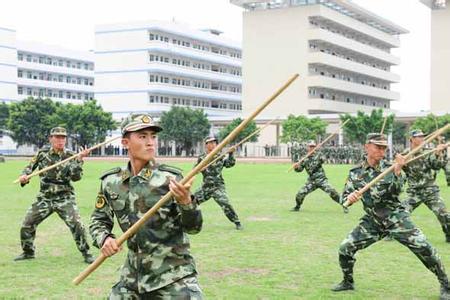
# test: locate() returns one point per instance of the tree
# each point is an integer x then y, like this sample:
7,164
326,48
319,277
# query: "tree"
4,115
184,126
297,129
86,124
431,123
249,129
30,121
359,126
399,133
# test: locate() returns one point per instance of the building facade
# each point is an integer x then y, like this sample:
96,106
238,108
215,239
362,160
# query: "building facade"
152,66
341,51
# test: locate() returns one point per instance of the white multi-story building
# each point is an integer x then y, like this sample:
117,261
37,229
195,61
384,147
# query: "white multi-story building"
440,55
29,69
341,51
151,66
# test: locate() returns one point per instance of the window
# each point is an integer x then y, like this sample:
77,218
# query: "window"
20,73
20,56
20,90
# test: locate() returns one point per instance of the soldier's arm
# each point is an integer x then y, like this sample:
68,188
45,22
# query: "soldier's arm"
299,166
437,161
230,161
32,165
102,221
348,189
190,213
75,169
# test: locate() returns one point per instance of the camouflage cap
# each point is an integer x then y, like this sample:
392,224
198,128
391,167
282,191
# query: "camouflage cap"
136,122
210,139
58,131
377,139
416,133
312,143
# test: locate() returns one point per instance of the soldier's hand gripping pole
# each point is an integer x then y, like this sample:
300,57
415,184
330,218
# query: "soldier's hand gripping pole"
234,147
317,147
407,157
135,227
68,159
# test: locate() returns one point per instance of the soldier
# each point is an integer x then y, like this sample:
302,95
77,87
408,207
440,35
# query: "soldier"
56,194
316,178
421,176
213,185
159,264
385,215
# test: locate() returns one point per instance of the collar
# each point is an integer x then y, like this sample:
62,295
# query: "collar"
145,173
53,151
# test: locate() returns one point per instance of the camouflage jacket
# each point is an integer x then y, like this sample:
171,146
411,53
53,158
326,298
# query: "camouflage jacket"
313,166
57,180
159,252
383,198
422,173
212,175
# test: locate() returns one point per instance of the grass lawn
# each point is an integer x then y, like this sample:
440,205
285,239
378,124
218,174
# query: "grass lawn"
279,255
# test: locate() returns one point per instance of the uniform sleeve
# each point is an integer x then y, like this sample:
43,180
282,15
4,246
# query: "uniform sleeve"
300,167
191,215
348,189
32,165
102,220
230,161
75,169
437,161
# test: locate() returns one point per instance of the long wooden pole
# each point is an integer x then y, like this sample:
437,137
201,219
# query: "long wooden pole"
407,157
234,147
384,124
425,154
135,227
67,159
317,147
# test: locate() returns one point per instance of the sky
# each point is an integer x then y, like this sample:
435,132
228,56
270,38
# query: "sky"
71,24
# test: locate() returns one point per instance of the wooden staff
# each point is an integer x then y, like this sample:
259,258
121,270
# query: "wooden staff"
384,124
133,229
67,159
425,154
234,147
317,147
407,157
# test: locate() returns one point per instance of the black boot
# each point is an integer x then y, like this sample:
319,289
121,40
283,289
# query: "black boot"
344,285
239,226
25,255
295,208
88,258
445,292
447,238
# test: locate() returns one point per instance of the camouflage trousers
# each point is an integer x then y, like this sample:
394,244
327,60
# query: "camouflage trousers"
431,198
66,208
311,185
186,288
447,173
403,230
219,194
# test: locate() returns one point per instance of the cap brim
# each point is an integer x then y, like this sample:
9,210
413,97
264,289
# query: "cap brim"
385,144
210,140
138,127
60,134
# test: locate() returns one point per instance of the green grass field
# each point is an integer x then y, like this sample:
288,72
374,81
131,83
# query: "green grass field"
279,254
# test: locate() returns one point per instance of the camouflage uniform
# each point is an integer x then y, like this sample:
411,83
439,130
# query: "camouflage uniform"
317,179
213,186
56,195
447,172
422,188
385,215
158,264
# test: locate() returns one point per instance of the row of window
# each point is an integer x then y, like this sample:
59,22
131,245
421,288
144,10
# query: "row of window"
203,84
53,93
184,42
54,77
348,55
53,61
353,35
195,102
194,64
347,76
355,99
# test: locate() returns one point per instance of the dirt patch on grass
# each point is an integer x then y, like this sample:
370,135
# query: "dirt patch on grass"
235,271
259,219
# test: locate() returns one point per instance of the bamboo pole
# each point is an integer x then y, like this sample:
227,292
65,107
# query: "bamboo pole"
384,124
135,227
67,159
317,147
425,154
407,157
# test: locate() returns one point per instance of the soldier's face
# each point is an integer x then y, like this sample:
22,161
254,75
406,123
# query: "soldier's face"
141,144
375,152
416,141
58,142
210,146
